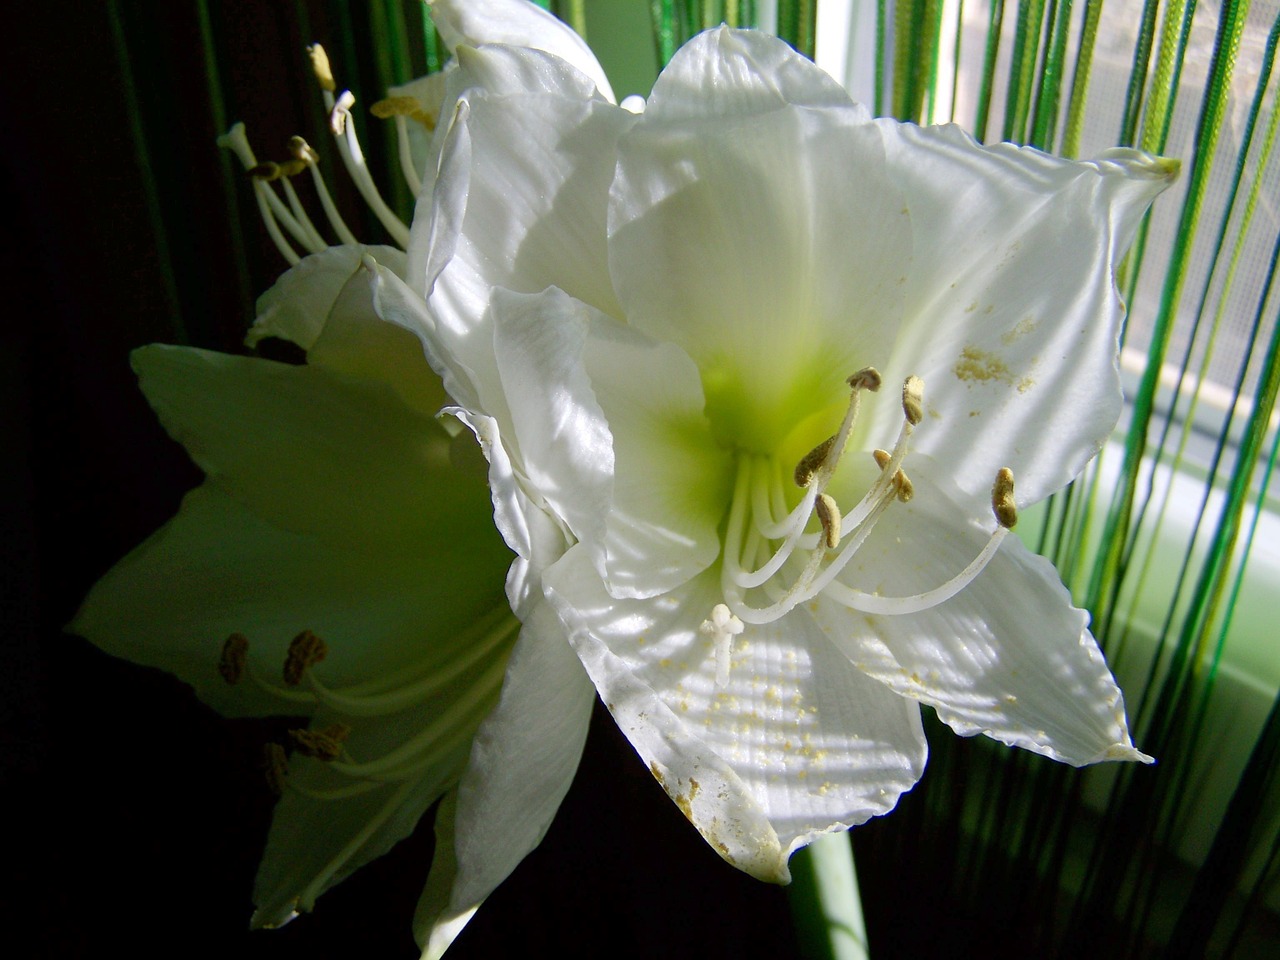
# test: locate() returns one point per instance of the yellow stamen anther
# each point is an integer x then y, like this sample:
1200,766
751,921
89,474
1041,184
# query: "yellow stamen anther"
913,400
812,460
323,744
302,150
275,766
868,378
235,658
320,66
305,651
401,107
904,487
882,457
829,516
341,110
1002,503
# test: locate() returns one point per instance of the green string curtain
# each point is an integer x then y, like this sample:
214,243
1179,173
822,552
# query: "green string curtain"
1164,540
1156,540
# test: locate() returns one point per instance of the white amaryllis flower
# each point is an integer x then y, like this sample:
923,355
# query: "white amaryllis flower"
668,331
339,562
334,564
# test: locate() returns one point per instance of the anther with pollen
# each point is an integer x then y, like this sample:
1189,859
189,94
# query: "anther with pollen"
235,658
320,66
827,453
829,516
303,151
913,400
326,744
1002,503
903,486
305,651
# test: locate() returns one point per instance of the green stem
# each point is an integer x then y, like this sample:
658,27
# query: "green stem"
825,901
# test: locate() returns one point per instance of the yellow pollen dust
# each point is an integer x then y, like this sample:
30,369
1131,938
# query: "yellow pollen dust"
305,651
235,658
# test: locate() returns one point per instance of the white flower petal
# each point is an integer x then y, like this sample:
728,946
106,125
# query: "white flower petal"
797,744
527,188
1009,656
1013,314
671,479
556,433
518,24
773,248
517,70
725,72
522,762
298,304
218,569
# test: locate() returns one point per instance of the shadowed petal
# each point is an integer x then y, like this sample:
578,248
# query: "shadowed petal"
522,762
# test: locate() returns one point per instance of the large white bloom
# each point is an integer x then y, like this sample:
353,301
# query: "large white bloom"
339,562
650,321
331,509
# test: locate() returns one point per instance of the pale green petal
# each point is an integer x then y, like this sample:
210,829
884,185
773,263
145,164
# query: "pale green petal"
798,743
523,760
518,24
298,304
396,303
218,569
314,451
356,341
1009,656
724,72
1013,313
327,824
773,248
